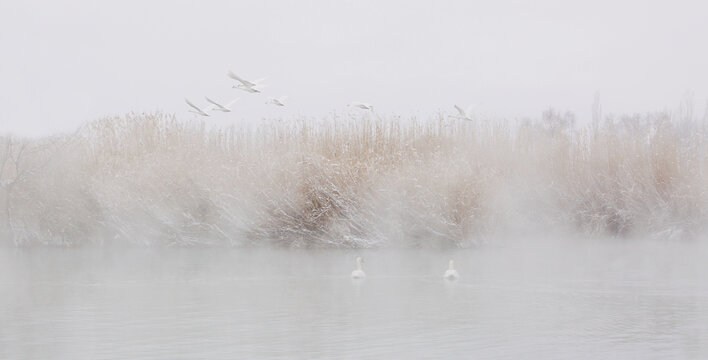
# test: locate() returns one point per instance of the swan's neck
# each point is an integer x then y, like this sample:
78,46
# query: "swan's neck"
452,264
358,264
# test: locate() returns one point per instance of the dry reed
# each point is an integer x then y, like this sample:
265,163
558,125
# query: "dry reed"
353,181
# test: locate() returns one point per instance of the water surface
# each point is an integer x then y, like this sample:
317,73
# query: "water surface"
585,300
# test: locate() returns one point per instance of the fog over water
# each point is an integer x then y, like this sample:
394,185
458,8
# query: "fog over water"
532,298
573,198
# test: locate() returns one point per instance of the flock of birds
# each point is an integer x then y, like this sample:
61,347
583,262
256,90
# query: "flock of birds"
242,84
256,86
451,274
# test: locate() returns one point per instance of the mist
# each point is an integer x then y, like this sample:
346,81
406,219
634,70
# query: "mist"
357,181
353,180
536,299
73,62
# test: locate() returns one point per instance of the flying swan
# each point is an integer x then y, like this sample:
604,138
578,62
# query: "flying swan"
465,114
277,101
364,106
197,110
219,107
245,85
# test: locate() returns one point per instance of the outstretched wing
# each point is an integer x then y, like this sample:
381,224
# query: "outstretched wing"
242,81
193,106
459,110
259,82
198,110
214,102
245,88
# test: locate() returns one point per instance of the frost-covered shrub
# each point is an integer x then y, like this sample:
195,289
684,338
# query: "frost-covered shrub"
353,181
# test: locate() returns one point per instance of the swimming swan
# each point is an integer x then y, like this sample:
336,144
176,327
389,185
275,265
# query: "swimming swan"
451,273
358,273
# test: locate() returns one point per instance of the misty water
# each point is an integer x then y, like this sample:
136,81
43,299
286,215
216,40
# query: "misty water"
568,299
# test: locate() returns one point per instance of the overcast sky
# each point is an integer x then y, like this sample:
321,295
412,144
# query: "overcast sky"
67,62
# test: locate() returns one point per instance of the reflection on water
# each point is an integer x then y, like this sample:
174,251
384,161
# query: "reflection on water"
599,301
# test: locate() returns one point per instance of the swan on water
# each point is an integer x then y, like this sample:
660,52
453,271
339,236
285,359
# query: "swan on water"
219,107
364,106
451,273
277,101
358,273
197,110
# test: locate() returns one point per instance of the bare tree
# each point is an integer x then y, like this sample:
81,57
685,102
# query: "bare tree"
16,165
596,115
11,172
686,109
555,122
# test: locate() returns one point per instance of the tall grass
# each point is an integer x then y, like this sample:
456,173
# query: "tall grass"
354,181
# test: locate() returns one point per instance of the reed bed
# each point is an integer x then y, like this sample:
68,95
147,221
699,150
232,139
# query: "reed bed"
354,181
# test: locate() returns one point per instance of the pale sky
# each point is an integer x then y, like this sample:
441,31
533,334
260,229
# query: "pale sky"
67,62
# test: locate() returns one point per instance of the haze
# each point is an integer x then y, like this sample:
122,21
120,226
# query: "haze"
66,63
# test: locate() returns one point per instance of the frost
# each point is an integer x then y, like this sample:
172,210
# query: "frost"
151,179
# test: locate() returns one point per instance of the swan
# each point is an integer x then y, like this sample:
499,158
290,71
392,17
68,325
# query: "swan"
245,88
245,85
465,114
451,273
364,106
197,110
242,81
219,107
358,273
277,101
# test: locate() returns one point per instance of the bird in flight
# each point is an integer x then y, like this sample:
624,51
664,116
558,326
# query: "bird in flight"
465,114
219,107
277,101
197,110
245,85
364,106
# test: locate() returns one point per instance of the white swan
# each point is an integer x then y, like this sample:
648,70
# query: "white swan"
358,273
245,85
364,106
277,101
242,81
197,110
219,107
245,88
451,273
465,114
